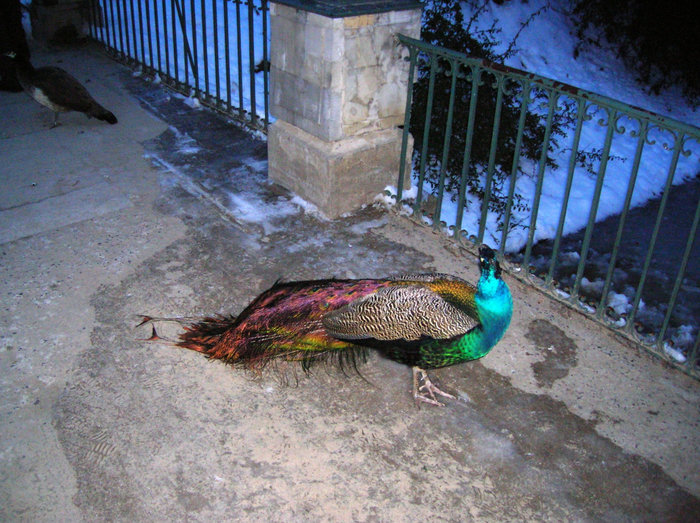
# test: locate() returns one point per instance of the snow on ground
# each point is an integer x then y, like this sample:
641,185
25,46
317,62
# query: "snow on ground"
545,46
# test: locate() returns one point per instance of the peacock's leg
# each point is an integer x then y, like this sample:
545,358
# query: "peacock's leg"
426,392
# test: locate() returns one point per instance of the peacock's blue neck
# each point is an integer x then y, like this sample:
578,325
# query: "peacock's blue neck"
495,307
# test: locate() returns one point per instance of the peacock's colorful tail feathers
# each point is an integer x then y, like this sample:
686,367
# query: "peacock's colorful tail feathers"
234,340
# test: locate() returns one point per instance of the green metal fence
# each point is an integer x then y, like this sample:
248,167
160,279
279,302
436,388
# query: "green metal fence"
215,51
573,188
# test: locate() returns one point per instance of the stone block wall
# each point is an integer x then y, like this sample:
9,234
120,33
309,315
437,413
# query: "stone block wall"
338,77
338,92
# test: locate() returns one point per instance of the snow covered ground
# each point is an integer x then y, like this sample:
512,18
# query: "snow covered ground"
545,46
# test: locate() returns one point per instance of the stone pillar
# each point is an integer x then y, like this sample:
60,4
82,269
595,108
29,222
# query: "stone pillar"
338,83
61,20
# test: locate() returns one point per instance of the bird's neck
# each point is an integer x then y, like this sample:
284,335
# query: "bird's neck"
490,286
24,68
495,306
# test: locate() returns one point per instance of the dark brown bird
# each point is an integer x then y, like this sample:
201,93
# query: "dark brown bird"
56,89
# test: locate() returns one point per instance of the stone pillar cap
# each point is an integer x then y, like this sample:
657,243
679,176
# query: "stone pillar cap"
344,8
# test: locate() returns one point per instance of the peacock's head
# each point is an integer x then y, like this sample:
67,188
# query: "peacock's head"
488,261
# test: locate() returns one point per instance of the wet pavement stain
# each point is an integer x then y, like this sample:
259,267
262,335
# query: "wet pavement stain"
582,466
558,349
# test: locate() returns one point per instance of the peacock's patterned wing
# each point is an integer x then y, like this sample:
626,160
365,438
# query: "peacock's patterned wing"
452,289
406,311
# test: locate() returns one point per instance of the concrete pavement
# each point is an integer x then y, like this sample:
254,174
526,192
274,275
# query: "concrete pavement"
169,213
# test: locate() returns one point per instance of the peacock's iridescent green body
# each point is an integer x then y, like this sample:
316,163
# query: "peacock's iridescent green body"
422,320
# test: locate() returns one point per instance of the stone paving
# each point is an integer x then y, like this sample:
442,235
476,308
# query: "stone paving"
170,213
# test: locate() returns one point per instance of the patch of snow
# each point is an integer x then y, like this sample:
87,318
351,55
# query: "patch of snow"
684,336
184,143
193,102
619,303
361,228
571,256
592,286
586,307
674,353
308,207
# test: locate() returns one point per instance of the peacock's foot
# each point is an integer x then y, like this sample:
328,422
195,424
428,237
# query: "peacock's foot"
424,390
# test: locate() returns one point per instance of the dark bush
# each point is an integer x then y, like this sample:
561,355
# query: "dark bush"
656,40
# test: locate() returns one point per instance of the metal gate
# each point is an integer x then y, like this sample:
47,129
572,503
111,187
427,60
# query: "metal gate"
215,51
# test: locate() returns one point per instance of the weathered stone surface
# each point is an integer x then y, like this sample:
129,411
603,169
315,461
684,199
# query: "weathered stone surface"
338,91
339,176
336,78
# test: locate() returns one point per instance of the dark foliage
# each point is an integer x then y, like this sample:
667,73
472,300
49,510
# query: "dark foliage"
657,40
444,25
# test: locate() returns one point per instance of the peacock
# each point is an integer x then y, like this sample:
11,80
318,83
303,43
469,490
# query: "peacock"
425,321
56,89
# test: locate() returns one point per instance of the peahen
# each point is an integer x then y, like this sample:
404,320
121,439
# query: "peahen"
56,89
422,320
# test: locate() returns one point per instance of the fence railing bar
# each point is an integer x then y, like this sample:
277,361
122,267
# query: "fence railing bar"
516,162
134,36
189,58
151,62
123,34
681,273
142,47
623,217
551,105
466,156
266,62
227,57
173,4
205,51
241,110
580,116
217,69
609,131
156,27
166,46
426,132
251,61
193,48
500,79
655,233
93,30
691,362
114,33
101,13
446,143
413,56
